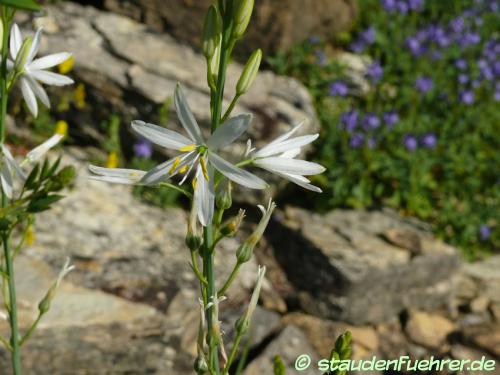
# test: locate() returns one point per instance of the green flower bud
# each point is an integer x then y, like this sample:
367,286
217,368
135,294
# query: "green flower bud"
249,72
244,253
211,32
223,198
44,305
200,366
22,55
242,15
215,61
194,237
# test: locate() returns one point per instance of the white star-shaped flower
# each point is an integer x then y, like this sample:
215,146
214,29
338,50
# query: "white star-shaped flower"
34,70
197,154
279,157
10,169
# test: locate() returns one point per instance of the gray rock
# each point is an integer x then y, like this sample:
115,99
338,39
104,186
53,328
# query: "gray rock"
273,27
289,345
86,331
343,269
429,330
486,276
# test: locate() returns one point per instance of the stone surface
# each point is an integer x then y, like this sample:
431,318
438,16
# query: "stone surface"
485,337
486,276
133,69
343,269
86,327
429,330
274,25
290,344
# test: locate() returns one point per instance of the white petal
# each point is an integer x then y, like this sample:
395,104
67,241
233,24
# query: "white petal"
186,116
236,174
293,166
162,172
161,136
290,153
42,149
283,137
301,181
29,97
204,196
38,90
12,163
229,131
286,145
35,45
116,175
6,181
49,61
16,41
50,78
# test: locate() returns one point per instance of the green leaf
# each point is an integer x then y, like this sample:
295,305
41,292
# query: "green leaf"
44,203
279,366
21,4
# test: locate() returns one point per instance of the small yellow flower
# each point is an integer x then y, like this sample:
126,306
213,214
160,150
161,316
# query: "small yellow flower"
80,95
67,66
112,161
61,127
30,235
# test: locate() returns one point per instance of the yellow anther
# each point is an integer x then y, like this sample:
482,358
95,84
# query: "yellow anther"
67,66
188,148
61,127
174,166
79,96
193,183
204,168
112,161
183,169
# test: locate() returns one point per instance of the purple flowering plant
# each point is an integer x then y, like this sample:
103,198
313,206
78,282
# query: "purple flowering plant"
424,137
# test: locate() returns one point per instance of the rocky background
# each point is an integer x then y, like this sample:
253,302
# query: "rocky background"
131,305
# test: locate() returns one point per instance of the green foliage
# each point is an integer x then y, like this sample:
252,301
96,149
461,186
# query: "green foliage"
21,4
439,160
278,366
341,352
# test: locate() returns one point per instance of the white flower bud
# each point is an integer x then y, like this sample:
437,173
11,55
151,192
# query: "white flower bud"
249,72
22,55
243,323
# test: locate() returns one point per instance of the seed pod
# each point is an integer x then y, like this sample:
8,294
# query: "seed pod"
249,72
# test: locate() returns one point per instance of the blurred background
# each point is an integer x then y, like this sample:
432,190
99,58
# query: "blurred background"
402,247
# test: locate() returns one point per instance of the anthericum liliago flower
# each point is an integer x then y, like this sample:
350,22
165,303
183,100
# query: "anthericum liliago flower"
31,72
197,154
9,168
279,157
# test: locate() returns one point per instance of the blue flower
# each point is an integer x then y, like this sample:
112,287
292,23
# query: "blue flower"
424,84
410,142
357,140
349,120
429,140
339,88
484,232
467,97
390,118
371,121
143,149
375,72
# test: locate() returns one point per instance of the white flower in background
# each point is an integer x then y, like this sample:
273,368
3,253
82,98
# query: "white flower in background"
198,154
279,157
10,169
117,175
31,71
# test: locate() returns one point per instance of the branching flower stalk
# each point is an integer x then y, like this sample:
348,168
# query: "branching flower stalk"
42,182
213,176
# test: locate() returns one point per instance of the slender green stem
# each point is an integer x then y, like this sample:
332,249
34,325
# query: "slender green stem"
14,334
234,351
230,108
196,269
5,343
30,331
230,279
177,188
208,271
